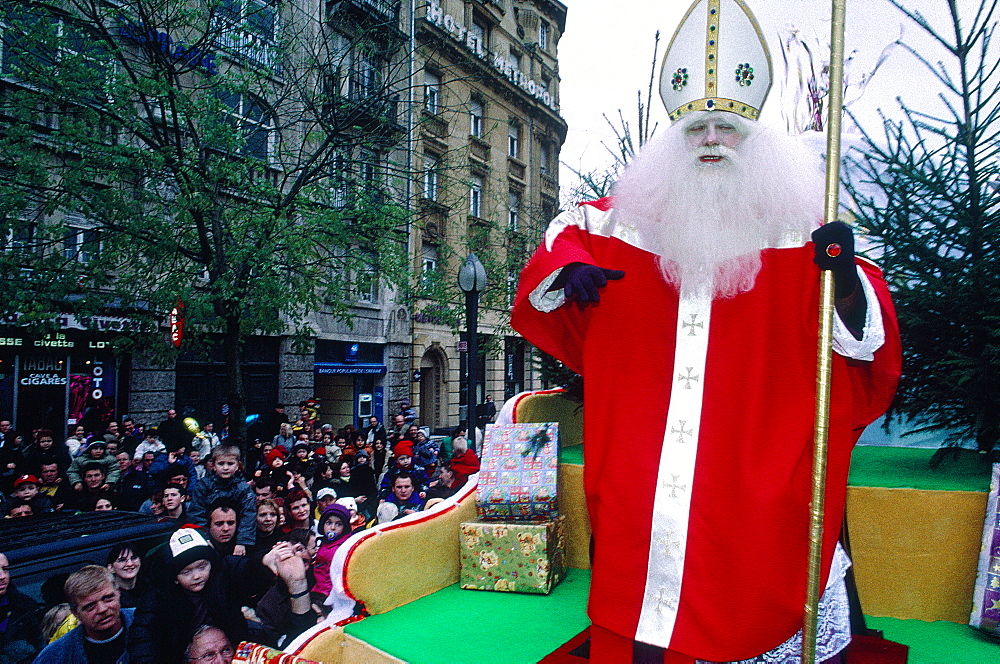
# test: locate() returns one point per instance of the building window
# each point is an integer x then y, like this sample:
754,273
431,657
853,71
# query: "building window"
514,140
513,274
368,170
252,121
18,239
431,177
248,28
476,118
81,245
476,197
432,92
365,77
428,262
341,181
513,211
543,158
254,16
365,279
513,366
515,60
543,35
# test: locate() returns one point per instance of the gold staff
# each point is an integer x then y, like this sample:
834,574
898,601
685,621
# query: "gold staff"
824,359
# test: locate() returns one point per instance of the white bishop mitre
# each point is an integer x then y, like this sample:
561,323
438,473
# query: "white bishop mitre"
717,60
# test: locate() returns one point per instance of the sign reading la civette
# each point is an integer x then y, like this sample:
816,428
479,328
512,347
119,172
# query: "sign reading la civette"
472,43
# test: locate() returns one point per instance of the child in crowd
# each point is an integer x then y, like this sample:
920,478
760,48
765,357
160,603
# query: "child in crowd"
402,463
26,493
268,520
226,482
334,529
191,585
358,521
149,444
324,498
96,453
299,463
199,467
275,471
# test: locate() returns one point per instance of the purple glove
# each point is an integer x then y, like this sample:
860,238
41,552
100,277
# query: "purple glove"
835,252
583,282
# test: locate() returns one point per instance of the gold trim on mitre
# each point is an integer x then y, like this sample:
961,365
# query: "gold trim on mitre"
717,60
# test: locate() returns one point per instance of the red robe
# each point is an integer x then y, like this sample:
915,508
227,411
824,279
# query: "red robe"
745,564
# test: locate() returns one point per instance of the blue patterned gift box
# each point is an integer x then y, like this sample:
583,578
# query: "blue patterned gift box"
986,597
517,480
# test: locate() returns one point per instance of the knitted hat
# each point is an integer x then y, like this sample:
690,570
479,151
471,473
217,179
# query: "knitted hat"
361,454
324,492
403,448
186,546
348,502
338,511
300,446
270,456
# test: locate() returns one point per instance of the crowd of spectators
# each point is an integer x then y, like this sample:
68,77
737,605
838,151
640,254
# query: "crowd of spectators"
256,528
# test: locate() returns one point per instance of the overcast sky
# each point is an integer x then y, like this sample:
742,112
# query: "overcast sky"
607,49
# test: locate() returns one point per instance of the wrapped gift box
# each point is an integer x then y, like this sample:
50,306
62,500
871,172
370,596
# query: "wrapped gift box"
517,480
986,597
513,557
255,653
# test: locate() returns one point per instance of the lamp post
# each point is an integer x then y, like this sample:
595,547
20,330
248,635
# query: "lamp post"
471,280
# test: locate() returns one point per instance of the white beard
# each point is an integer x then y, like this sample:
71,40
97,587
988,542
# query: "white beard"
709,222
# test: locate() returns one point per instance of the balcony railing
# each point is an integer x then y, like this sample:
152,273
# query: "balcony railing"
386,11
247,47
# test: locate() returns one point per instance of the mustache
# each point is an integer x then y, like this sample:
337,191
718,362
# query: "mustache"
717,151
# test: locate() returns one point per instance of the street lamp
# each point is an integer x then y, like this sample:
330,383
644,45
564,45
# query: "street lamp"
471,280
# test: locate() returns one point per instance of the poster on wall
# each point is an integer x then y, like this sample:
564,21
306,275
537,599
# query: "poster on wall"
92,392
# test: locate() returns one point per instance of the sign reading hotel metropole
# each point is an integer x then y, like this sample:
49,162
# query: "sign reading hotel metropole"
473,44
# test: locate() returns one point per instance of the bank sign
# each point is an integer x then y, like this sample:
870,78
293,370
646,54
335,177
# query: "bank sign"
473,44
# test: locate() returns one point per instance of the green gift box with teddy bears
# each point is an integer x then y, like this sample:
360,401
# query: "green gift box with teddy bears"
513,557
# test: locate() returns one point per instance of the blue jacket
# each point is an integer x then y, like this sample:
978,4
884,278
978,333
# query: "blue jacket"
211,488
162,462
69,648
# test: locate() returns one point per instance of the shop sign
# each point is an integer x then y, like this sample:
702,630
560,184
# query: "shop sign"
176,322
86,323
436,16
333,368
42,371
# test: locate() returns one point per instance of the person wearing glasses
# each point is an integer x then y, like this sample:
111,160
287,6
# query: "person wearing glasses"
209,645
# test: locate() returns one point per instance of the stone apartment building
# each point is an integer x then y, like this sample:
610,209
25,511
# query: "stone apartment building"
488,138
473,112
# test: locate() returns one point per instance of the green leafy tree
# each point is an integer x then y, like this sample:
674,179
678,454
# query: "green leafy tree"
234,155
926,189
